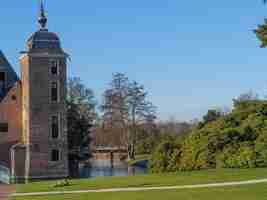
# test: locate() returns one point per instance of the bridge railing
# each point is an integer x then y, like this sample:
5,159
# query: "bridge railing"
4,174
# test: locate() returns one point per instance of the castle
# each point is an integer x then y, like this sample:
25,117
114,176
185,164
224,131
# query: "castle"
33,126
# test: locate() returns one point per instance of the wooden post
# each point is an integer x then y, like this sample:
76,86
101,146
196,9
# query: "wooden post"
111,159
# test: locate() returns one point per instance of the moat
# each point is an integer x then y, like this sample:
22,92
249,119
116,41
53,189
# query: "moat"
98,168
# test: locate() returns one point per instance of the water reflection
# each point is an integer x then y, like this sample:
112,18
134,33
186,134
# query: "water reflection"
103,168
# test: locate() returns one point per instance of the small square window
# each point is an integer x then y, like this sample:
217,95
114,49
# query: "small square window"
3,127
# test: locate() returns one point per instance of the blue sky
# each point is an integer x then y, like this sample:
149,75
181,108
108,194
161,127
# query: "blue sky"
190,55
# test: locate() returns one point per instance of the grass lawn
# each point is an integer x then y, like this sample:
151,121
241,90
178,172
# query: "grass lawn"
249,192
182,178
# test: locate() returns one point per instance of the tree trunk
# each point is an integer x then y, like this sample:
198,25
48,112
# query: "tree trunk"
131,152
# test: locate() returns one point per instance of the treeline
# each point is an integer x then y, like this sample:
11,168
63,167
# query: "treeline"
148,137
123,118
127,119
237,139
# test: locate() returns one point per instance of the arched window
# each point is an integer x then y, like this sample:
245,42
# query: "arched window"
55,67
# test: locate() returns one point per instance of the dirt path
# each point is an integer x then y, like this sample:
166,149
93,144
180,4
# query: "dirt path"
144,188
6,191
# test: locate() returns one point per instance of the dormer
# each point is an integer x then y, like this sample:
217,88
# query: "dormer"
8,76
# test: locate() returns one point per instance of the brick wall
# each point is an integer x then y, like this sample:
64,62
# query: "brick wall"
10,112
37,112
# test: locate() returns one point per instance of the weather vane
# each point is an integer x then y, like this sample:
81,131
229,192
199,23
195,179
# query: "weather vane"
42,16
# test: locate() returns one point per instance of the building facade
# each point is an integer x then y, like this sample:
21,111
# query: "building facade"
33,126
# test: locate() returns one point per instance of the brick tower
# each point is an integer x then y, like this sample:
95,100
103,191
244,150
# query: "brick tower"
43,77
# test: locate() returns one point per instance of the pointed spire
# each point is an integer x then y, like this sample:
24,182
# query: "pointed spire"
42,16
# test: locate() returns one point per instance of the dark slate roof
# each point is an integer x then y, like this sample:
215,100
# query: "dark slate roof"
43,39
12,77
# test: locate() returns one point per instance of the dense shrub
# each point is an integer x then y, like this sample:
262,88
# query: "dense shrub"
235,140
166,157
63,183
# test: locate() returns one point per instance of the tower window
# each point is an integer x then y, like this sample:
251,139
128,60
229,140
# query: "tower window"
54,92
55,155
55,127
2,76
54,67
2,82
36,147
13,97
3,127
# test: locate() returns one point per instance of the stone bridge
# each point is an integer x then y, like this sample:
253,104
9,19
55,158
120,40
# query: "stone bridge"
111,154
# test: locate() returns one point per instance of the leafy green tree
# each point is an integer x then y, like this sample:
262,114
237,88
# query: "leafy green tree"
235,140
212,115
261,32
166,157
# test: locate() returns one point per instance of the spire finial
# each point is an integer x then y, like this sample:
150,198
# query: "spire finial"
42,16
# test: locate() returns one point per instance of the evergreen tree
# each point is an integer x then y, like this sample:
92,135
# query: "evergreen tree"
81,116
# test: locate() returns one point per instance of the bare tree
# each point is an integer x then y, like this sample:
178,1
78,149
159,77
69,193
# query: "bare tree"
114,106
126,106
247,96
